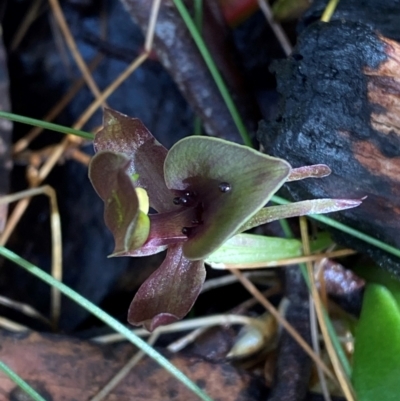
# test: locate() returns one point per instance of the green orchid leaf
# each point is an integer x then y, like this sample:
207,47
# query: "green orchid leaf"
303,208
169,293
321,241
251,250
226,182
123,134
377,347
109,177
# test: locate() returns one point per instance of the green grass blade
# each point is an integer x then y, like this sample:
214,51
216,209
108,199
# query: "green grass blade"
106,318
20,382
346,229
214,71
45,125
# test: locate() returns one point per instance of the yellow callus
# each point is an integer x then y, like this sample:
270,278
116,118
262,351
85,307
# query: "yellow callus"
143,200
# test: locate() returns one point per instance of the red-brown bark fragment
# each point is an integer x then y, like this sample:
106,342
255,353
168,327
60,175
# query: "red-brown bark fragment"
69,369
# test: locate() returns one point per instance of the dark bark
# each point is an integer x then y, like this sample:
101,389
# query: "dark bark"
383,15
293,368
340,105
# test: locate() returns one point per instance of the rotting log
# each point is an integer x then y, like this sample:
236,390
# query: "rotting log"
340,105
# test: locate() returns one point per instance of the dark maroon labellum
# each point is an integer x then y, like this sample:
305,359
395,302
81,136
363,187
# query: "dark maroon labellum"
177,200
224,186
186,230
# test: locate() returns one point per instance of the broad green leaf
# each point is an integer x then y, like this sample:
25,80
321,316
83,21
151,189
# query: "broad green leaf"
169,293
231,182
109,177
250,249
377,347
146,155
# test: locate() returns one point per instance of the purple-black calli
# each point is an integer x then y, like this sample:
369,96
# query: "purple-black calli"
203,189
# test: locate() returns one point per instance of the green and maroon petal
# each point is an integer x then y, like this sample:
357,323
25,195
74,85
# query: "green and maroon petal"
123,134
169,293
109,177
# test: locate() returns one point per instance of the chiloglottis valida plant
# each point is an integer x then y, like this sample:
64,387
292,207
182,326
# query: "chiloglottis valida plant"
204,191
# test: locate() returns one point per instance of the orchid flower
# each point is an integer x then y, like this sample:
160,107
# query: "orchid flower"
204,191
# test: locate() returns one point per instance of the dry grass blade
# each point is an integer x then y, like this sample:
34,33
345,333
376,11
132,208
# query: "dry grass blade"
148,44
24,142
229,279
56,265
341,375
110,386
47,167
283,322
62,23
24,308
189,324
12,326
329,10
278,31
315,344
29,18
187,339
